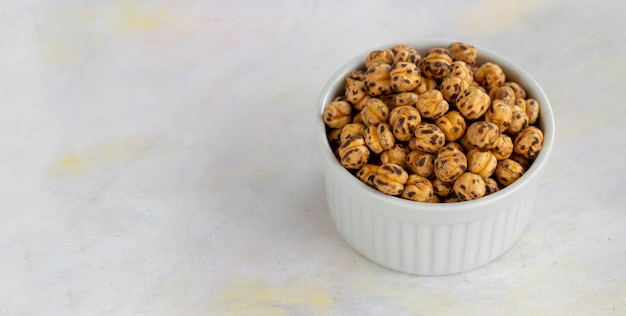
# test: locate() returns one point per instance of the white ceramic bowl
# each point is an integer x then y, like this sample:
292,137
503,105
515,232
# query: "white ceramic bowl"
431,238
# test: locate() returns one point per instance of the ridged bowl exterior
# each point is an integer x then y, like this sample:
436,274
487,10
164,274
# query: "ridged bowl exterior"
426,238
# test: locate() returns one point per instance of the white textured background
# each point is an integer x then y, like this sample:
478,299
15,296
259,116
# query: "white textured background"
157,157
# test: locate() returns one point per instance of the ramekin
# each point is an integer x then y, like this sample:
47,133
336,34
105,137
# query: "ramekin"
431,238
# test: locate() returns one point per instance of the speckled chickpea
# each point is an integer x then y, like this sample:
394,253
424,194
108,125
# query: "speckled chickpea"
464,52
396,154
353,153
357,75
425,85
520,93
379,138
390,179
477,85
379,56
519,120
489,75
355,92
361,104
503,147
528,142
377,80
508,171
358,118
465,144
483,134
473,103
406,53
503,93
406,98
389,100
436,64
334,139
525,163
418,188
462,71
405,76
532,110
337,114
428,138
352,129
374,112
500,114
469,186
456,146
366,174
441,188
452,124
450,164
451,87
404,120
481,162
491,185
431,104
420,163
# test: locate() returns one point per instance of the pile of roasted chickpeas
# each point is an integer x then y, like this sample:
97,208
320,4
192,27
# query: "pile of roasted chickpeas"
433,128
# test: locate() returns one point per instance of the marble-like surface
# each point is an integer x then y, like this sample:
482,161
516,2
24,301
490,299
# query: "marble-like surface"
157,157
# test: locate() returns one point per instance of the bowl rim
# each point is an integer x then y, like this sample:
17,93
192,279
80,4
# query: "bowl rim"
511,69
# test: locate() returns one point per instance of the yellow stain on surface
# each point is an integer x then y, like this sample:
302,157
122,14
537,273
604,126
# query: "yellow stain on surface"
495,16
82,29
134,16
256,296
102,156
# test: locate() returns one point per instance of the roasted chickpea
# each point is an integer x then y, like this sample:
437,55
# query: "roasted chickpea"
452,124
462,71
528,142
491,185
436,63
450,164
418,188
377,80
520,93
404,76
352,129
508,171
483,134
379,138
481,162
353,153
532,110
374,112
390,179
431,104
396,154
464,52
379,56
406,98
469,186
519,120
473,103
337,114
503,147
451,87
500,114
428,138
489,75
404,120
406,53
420,163
366,174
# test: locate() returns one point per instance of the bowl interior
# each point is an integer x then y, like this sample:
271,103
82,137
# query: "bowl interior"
513,72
